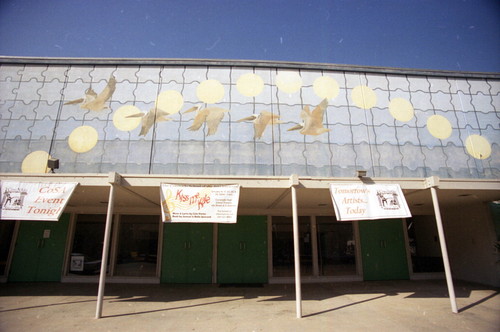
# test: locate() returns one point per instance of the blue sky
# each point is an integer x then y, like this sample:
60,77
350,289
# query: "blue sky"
424,34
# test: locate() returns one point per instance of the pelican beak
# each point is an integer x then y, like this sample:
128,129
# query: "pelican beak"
192,109
250,118
297,127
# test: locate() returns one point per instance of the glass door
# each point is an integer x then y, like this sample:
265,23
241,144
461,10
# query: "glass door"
283,253
86,251
6,234
336,247
137,252
424,245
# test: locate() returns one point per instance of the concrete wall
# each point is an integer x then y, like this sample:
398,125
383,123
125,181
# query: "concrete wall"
392,125
471,241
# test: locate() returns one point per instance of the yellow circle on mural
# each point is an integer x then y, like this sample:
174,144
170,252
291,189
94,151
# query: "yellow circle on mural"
401,109
35,162
210,91
288,81
363,97
326,87
478,146
83,139
439,126
121,118
250,84
170,101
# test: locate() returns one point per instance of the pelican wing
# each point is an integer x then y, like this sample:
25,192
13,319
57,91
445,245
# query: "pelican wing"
261,123
213,119
96,102
159,114
198,120
318,113
108,91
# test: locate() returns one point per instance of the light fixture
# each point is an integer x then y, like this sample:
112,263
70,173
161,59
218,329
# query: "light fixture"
360,173
53,164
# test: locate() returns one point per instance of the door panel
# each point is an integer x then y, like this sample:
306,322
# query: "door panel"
187,253
242,251
39,250
383,250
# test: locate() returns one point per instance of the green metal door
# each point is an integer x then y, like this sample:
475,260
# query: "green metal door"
383,249
242,251
187,253
39,250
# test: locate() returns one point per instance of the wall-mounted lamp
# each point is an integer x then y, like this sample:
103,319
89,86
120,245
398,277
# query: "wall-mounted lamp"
360,173
53,164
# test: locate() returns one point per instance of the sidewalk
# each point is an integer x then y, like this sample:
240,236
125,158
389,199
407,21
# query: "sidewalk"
351,306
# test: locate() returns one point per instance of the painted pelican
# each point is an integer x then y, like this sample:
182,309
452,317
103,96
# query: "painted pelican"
148,119
212,116
93,101
312,122
260,122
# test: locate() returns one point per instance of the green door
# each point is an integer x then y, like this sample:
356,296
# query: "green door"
242,251
39,250
187,253
383,249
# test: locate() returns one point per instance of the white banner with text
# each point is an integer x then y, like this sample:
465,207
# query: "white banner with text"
199,203
34,200
368,201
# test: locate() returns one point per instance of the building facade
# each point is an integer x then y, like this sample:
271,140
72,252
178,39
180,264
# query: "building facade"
139,123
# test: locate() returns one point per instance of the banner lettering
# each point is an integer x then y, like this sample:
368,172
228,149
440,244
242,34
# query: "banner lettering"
199,203
368,201
34,200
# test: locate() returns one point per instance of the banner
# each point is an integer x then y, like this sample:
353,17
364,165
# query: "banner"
199,203
34,200
368,201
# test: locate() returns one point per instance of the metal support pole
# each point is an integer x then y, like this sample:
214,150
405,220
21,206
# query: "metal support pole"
105,250
444,251
298,292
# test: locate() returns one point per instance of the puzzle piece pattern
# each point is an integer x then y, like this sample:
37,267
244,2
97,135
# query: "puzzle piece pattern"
33,116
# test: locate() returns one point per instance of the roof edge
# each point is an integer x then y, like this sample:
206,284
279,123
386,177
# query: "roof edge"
243,63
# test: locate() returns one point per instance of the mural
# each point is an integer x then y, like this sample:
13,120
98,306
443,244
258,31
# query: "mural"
246,121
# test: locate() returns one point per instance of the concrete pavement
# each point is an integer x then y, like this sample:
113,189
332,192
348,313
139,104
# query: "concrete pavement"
347,306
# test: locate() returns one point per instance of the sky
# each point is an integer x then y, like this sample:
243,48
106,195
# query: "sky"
458,35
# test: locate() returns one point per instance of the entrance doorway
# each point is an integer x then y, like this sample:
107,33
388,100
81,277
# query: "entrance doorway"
383,249
187,253
283,259
137,252
424,245
39,250
6,234
336,247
